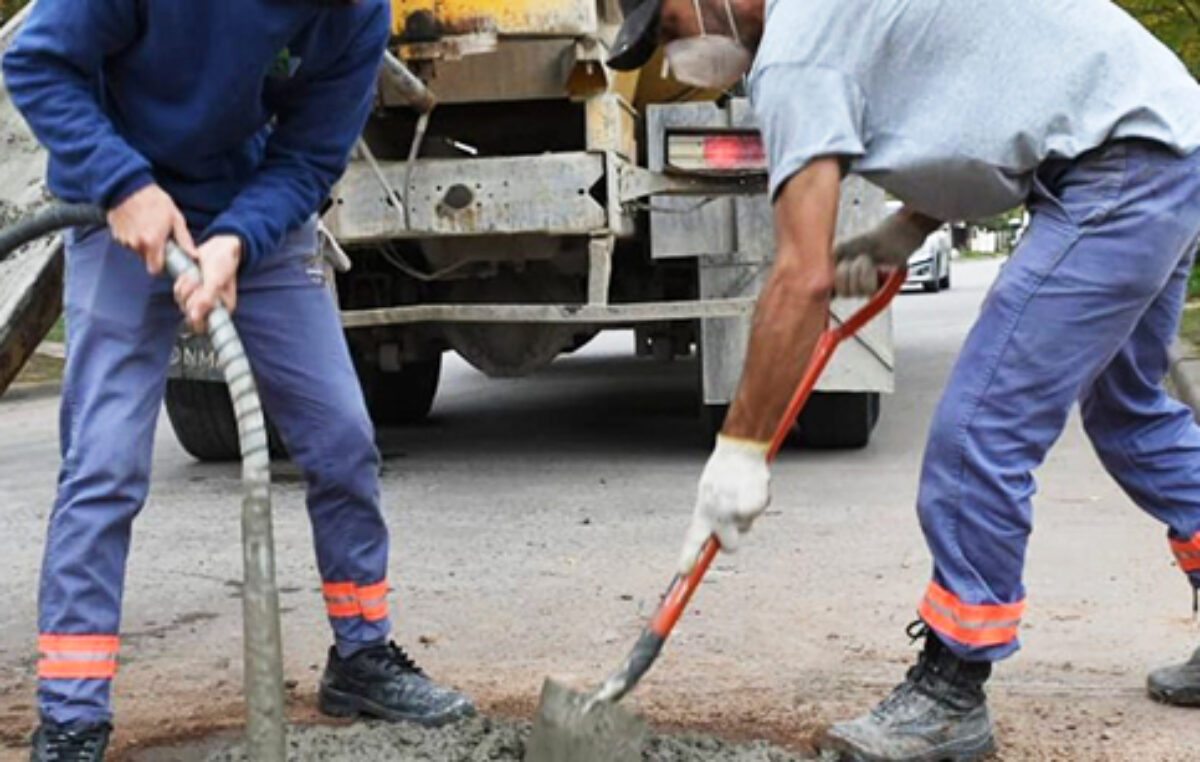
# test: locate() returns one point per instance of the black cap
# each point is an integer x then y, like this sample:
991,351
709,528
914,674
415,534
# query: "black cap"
638,38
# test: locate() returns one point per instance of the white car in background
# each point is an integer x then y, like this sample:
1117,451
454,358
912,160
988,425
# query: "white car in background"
929,267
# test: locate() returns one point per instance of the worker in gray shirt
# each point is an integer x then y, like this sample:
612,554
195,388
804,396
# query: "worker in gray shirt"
965,110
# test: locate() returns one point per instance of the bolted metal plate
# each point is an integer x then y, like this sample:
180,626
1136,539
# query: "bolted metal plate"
547,195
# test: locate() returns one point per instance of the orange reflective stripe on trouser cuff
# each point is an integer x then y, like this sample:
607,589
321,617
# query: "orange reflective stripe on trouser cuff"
373,600
344,600
77,657
976,625
1187,552
341,600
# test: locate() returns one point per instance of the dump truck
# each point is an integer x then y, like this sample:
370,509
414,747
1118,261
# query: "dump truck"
543,199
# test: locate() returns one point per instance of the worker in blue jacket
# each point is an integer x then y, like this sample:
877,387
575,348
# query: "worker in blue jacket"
221,125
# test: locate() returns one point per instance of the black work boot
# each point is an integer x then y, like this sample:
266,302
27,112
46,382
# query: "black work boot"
70,743
1178,685
382,681
938,714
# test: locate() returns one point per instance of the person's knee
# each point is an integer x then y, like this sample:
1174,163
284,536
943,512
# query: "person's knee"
97,467
339,452
1099,428
1114,424
945,430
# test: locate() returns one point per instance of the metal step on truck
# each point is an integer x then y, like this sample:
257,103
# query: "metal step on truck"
543,199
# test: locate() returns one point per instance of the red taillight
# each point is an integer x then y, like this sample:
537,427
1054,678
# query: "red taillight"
739,152
734,152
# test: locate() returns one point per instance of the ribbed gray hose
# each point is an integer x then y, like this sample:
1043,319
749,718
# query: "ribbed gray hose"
265,731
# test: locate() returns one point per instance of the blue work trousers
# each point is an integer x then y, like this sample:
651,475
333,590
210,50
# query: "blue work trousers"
121,325
1084,311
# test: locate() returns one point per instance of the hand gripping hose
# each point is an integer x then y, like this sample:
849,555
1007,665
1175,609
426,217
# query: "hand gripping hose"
648,646
265,731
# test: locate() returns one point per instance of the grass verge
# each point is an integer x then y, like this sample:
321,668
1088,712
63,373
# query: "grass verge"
1190,329
41,370
59,332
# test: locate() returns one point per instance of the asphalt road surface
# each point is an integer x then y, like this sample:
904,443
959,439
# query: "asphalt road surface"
536,520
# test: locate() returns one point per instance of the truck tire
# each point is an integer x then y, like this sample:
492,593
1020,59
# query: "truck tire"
201,414
401,397
830,420
713,419
838,420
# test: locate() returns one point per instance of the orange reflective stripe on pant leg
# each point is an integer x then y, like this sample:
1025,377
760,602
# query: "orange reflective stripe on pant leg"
109,644
1187,553
341,600
77,657
979,625
370,592
373,600
375,613
77,670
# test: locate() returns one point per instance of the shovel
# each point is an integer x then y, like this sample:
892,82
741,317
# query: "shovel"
574,727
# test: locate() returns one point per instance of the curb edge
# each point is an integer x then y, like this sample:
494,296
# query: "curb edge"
1184,373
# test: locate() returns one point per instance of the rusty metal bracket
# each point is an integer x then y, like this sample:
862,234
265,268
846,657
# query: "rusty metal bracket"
408,85
636,183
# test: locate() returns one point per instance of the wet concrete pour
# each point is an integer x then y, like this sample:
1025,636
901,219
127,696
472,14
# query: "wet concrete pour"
475,740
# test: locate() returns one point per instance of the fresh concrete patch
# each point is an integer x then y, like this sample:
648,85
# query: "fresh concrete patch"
471,741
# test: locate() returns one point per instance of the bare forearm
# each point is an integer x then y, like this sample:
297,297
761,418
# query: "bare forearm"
794,305
787,324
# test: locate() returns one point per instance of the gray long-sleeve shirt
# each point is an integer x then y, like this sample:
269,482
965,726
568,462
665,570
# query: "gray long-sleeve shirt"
951,105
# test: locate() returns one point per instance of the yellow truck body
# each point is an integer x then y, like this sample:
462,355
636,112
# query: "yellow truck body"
507,17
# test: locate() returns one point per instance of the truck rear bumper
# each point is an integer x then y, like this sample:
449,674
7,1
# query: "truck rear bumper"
555,194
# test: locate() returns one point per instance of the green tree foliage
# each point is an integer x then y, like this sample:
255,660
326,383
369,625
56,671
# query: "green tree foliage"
1176,22
9,8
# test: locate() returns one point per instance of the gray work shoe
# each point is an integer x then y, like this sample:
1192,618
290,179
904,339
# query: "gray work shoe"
384,682
1178,685
70,743
938,714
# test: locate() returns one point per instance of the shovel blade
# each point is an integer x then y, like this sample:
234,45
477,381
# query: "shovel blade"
564,732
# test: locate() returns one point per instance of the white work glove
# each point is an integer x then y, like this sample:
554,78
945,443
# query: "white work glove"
734,491
888,246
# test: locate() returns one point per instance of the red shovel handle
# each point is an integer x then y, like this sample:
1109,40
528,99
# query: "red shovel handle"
823,352
683,588
648,646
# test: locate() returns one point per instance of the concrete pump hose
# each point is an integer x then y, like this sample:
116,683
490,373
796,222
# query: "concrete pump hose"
260,596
